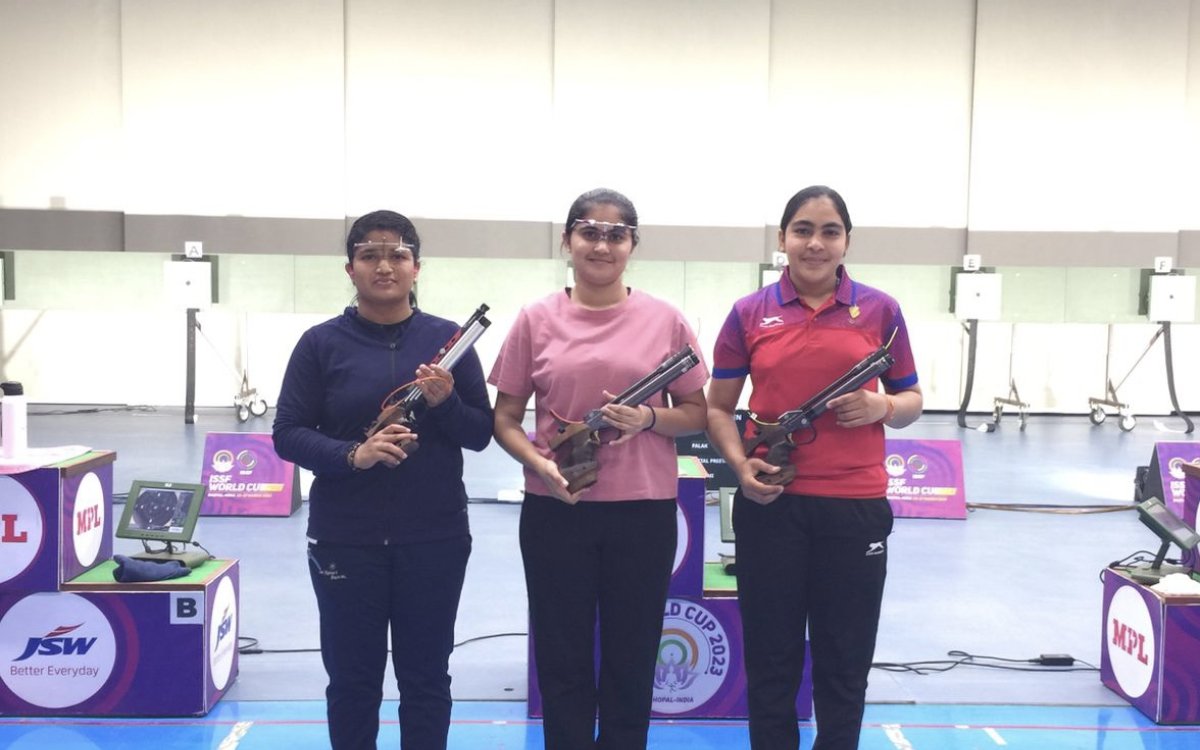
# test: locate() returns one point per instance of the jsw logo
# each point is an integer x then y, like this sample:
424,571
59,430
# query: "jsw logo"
225,626
53,644
1129,640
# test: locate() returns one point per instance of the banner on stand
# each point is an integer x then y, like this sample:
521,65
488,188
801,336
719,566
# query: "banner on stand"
925,479
243,476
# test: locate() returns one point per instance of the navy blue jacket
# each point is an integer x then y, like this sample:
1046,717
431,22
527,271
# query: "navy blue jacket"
338,375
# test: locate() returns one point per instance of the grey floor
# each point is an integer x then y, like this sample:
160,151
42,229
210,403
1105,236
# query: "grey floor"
1001,583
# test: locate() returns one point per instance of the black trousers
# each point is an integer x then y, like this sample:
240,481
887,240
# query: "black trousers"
362,590
821,562
610,560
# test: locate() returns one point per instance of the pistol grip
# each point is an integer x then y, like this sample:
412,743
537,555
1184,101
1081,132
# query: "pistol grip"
784,476
580,476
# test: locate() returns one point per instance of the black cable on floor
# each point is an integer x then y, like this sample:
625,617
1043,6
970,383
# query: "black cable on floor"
250,645
1043,663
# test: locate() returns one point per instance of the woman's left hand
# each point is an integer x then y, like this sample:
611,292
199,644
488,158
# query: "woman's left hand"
630,420
435,382
862,407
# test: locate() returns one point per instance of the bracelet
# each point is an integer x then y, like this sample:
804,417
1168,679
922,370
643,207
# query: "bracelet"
653,419
350,456
891,409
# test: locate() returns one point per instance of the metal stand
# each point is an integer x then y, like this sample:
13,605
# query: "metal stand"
998,403
189,399
1096,406
1013,399
246,401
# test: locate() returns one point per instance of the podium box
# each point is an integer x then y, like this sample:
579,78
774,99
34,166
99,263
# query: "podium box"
687,577
102,648
1150,653
55,522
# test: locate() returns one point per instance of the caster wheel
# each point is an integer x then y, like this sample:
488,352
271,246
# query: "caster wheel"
243,413
1097,416
1127,423
258,407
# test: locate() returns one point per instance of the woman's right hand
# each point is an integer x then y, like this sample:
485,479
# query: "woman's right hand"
548,471
754,489
384,447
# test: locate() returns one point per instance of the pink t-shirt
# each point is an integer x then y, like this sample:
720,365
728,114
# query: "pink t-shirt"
565,356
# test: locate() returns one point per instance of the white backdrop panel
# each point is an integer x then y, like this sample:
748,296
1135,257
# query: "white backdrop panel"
874,99
665,102
1079,115
233,108
60,104
448,109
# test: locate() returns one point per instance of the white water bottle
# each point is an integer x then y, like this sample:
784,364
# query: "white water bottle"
14,420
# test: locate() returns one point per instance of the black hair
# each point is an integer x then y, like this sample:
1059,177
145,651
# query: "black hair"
385,221
604,197
809,193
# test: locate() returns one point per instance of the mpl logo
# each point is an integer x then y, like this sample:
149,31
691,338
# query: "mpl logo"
89,520
222,635
63,649
21,529
693,658
1130,641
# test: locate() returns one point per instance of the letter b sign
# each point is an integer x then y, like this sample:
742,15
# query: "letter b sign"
187,607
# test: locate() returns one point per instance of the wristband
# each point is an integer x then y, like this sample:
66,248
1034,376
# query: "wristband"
891,409
653,419
350,456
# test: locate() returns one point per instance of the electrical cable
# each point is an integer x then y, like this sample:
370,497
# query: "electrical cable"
252,647
94,410
1065,510
1042,663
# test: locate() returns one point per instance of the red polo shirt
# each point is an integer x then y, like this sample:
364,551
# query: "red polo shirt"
792,352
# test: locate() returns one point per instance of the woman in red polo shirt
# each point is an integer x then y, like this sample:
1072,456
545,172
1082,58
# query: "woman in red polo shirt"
812,550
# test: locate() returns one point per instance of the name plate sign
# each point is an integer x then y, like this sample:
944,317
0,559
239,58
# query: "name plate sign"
243,476
925,479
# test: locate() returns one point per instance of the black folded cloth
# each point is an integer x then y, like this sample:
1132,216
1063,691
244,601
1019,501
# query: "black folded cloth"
137,570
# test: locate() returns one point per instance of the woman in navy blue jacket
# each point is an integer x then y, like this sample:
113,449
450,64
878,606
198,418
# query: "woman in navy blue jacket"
388,533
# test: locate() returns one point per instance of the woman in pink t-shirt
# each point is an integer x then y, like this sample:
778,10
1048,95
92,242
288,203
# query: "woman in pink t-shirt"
604,552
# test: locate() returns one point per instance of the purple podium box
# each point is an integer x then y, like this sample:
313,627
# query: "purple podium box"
700,671
100,648
55,522
687,577
1150,655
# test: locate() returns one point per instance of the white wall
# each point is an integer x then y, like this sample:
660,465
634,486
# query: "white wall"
988,116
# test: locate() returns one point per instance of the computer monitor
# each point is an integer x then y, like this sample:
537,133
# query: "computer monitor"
726,507
161,511
1157,517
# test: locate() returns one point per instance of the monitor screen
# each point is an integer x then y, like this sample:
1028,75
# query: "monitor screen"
1170,529
726,505
161,511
